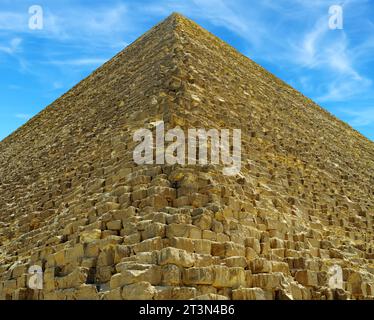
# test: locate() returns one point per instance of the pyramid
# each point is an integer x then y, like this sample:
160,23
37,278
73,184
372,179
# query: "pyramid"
95,225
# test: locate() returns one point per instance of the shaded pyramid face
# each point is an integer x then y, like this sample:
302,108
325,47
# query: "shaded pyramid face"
296,223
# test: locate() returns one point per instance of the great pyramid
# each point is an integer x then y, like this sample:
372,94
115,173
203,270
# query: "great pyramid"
73,201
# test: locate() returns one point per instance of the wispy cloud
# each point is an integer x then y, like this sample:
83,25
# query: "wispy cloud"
360,117
23,116
79,62
13,21
73,23
12,47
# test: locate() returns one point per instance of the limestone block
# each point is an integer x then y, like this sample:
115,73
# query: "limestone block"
175,256
250,253
18,270
183,243
171,275
103,274
151,274
181,201
228,277
90,235
148,245
23,294
296,291
217,226
59,258
155,229
106,207
176,218
138,291
203,221
209,235
236,261
253,243
307,278
115,294
115,225
9,286
167,193
89,262
120,252
260,265
108,233
276,243
86,292
156,201
211,296
199,200
227,249
73,280
175,293
202,246
195,275
139,194
125,215
106,257
183,230
356,284
49,279
132,238
268,281
22,281
222,237
248,294
74,254
278,266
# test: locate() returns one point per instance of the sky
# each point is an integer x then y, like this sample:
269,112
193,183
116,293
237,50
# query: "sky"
293,39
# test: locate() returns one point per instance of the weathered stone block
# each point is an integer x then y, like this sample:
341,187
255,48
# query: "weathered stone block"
73,280
248,294
86,292
90,235
183,230
175,293
148,245
175,256
171,275
267,281
228,277
114,225
138,291
227,249
153,230
193,276
260,265
307,278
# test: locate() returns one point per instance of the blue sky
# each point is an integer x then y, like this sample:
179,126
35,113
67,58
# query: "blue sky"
290,38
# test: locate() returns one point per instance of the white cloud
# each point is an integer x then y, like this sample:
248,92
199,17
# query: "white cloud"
57,85
23,116
72,23
342,89
360,117
12,47
13,21
79,62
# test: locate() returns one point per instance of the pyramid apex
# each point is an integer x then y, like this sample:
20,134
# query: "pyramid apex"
176,16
